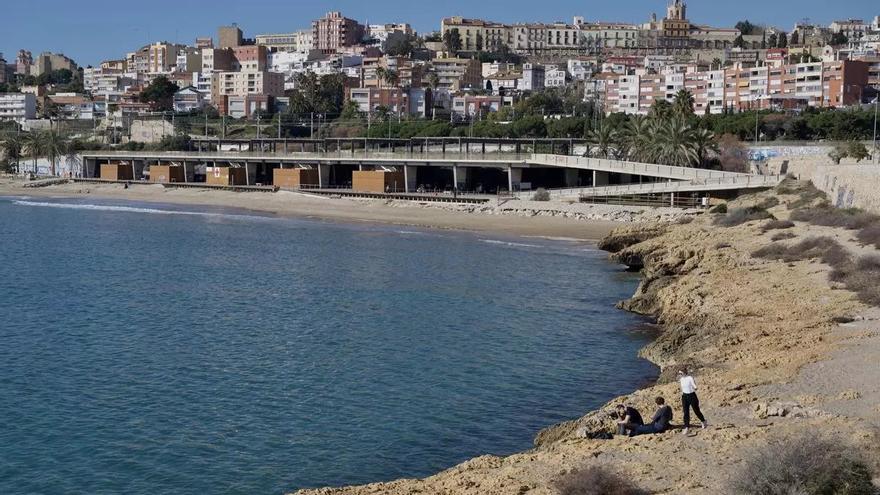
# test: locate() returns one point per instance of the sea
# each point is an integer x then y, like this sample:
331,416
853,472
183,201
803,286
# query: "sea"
160,349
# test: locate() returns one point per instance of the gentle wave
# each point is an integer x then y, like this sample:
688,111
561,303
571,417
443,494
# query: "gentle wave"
132,209
509,244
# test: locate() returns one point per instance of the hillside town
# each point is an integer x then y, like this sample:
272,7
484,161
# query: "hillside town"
470,68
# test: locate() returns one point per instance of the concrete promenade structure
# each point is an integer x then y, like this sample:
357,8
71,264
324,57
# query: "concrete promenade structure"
567,176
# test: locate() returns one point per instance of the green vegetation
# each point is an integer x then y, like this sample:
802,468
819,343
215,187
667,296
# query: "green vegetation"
160,94
852,149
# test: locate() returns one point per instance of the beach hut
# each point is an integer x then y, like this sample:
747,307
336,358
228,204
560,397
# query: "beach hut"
377,181
294,178
225,176
117,171
166,173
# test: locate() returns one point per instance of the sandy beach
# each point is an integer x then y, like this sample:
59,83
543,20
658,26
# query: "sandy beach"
516,218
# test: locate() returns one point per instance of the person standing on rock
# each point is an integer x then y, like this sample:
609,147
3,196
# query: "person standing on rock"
689,399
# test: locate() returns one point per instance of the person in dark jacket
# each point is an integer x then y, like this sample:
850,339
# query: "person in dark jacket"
628,419
659,423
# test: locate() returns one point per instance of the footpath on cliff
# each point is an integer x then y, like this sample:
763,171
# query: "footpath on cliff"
772,302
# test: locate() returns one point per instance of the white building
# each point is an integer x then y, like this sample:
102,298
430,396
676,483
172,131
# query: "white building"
555,76
532,78
18,106
99,81
581,69
189,99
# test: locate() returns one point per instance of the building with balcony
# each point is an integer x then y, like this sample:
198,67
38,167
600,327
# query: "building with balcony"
189,99
333,32
18,106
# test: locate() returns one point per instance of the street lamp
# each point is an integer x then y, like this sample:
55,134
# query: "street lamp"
875,150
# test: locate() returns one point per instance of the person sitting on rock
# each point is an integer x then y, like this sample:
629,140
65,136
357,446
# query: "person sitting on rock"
628,419
659,423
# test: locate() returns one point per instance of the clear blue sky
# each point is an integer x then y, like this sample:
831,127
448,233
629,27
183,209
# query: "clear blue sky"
92,30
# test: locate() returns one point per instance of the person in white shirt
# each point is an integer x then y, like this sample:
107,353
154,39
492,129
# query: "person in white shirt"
689,399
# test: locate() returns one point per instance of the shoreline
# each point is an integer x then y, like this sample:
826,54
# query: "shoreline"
306,206
757,385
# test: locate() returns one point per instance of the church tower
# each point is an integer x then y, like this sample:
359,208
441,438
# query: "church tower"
676,11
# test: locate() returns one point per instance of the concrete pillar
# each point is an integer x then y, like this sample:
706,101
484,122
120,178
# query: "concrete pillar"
247,174
514,177
600,178
409,176
323,175
455,176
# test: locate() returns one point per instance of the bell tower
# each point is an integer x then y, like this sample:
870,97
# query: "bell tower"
676,11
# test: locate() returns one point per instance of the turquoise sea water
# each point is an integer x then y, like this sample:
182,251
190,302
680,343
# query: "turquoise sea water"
144,351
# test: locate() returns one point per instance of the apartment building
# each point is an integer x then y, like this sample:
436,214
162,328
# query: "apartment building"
162,57
853,29
217,59
189,59
405,101
18,106
250,58
285,42
477,34
101,81
609,35
334,31
457,73
247,83
816,84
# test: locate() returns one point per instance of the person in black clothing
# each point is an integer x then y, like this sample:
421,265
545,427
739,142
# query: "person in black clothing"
659,423
628,419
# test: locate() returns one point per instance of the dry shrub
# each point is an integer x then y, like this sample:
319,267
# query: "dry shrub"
541,195
768,203
777,225
861,276
684,220
829,216
824,248
804,465
870,235
782,236
596,480
720,209
808,196
739,216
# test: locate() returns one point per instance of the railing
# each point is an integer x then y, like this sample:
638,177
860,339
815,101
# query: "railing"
722,183
632,168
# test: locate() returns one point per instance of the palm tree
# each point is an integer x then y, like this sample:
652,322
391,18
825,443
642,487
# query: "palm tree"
381,74
684,103
392,78
637,139
703,142
72,158
604,139
12,147
53,145
33,145
675,144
